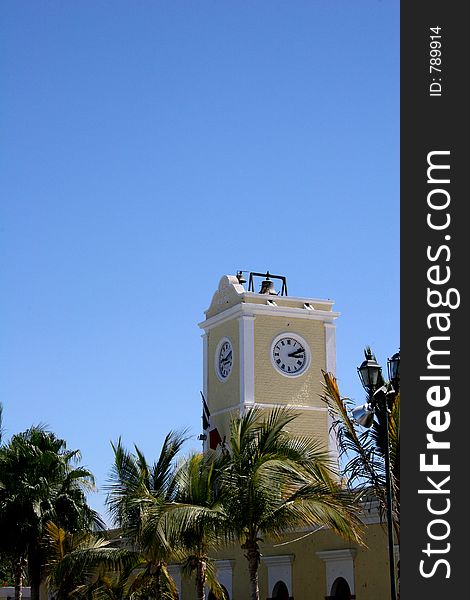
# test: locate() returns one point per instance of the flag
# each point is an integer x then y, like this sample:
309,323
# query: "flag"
205,414
214,438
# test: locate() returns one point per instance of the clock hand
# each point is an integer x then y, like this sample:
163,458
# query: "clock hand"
227,359
296,353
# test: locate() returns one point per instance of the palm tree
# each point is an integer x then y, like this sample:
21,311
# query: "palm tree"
199,520
12,551
110,586
275,483
38,484
139,491
364,449
75,561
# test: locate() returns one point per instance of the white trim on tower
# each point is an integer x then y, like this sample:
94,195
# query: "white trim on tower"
246,325
248,309
205,377
330,347
330,354
205,355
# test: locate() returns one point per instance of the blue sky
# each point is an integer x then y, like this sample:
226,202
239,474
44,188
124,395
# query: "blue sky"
147,149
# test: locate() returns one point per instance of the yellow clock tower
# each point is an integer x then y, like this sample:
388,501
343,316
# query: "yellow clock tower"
266,349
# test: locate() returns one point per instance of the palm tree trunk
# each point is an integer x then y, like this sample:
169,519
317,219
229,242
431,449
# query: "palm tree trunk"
34,568
200,579
158,587
253,558
19,570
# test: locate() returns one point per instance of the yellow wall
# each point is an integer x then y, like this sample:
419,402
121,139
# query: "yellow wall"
309,570
273,388
270,385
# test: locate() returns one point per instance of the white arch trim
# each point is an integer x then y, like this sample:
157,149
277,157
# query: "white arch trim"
279,569
225,575
338,563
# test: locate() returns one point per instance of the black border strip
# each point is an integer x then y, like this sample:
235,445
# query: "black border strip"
434,130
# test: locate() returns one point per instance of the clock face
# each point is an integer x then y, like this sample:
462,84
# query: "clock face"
224,359
290,354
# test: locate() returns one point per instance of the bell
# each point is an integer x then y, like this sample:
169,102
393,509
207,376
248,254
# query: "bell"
267,287
241,279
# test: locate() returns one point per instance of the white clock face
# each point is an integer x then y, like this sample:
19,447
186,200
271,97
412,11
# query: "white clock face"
290,354
224,359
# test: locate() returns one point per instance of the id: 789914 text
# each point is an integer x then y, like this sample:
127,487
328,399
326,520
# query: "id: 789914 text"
435,61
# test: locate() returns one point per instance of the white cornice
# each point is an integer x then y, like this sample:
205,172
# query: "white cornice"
251,310
333,555
277,560
292,298
292,407
225,564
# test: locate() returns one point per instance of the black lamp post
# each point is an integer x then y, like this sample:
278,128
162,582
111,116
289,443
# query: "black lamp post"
370,374
394,371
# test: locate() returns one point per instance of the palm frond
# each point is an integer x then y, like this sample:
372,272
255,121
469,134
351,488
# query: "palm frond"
365,451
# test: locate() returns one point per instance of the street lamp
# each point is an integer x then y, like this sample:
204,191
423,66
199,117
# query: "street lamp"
370,375
394,370
369,372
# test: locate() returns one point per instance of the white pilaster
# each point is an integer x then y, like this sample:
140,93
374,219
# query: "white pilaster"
330,353
247,360
205,351
330,347
205,377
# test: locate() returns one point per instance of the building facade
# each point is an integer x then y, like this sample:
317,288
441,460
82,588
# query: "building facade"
265,349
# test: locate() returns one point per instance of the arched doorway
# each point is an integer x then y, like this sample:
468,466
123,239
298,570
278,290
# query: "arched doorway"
280,591
226,596
340,590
